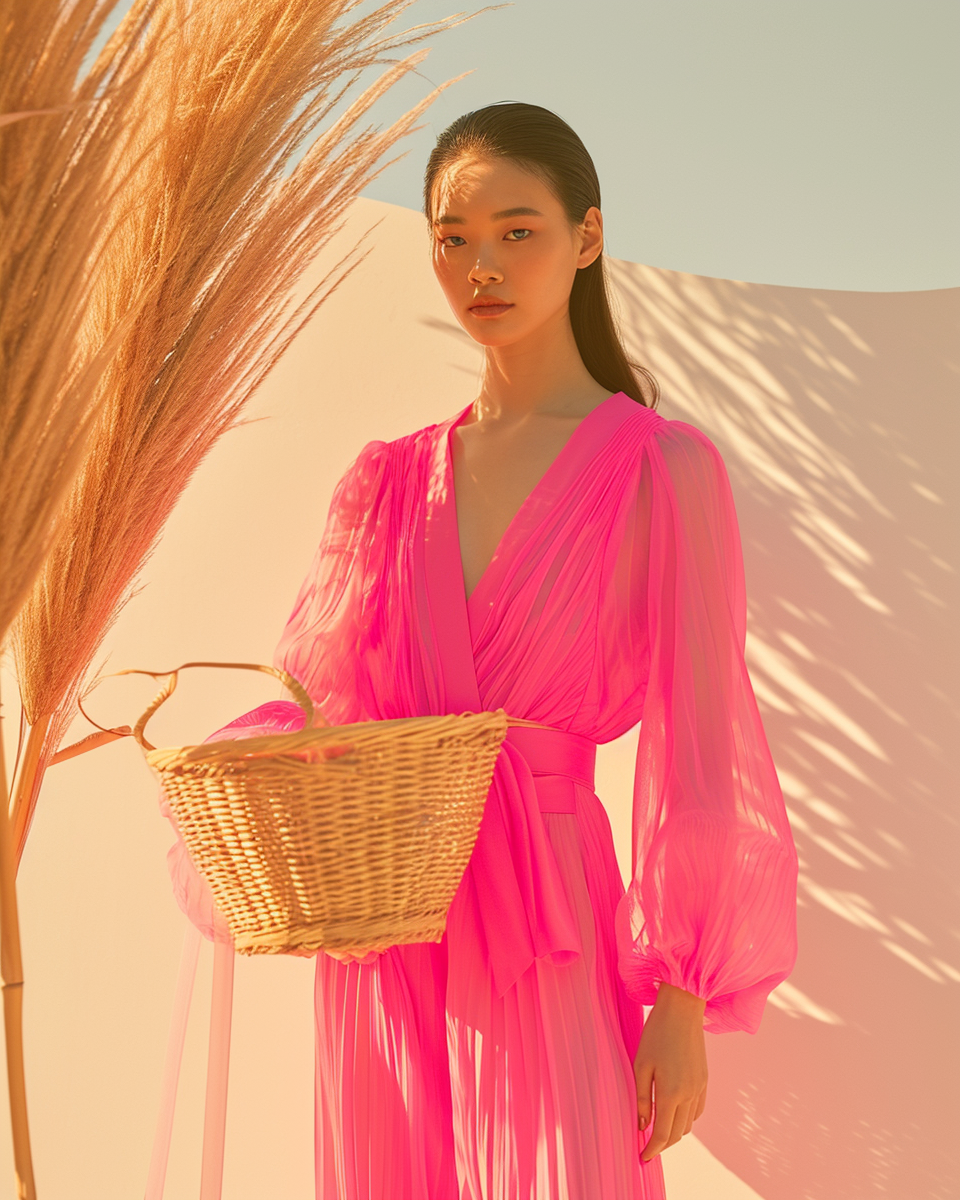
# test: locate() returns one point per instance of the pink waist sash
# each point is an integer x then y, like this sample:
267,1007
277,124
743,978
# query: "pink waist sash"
519,909
558,760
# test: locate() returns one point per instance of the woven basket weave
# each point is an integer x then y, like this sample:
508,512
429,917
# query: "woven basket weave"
342,837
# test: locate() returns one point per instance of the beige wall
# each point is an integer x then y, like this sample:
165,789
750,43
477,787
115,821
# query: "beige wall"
832,410
836,413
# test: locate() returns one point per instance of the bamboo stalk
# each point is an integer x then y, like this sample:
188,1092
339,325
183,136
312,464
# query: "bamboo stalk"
11,972
23,785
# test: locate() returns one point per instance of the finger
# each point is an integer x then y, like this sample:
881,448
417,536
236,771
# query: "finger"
662,1124
674,1131
701,1104
343,956
682,1122
643,1077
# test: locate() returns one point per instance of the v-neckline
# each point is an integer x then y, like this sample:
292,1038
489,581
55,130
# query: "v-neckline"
530,499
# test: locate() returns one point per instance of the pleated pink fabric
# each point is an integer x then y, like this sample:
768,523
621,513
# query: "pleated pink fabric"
497,1063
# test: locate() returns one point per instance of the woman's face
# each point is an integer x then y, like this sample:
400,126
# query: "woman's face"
500,231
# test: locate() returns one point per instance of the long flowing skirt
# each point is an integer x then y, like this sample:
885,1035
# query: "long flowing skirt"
431,1087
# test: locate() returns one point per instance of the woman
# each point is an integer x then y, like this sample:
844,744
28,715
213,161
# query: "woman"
560,550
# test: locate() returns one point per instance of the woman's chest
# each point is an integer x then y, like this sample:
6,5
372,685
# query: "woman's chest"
494,476
543,622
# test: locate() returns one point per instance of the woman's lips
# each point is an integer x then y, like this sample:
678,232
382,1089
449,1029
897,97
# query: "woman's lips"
489,310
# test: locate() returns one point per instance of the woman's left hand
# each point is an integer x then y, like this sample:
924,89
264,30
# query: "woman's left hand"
671,1066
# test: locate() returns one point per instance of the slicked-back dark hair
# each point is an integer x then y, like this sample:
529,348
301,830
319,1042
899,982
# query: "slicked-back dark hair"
539,141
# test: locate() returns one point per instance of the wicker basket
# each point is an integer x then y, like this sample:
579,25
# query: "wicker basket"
350,837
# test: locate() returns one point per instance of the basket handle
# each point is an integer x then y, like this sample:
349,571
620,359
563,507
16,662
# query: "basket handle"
298,692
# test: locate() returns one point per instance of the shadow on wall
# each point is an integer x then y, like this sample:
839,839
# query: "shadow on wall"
836,415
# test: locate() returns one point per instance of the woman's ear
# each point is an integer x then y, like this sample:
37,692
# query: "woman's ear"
591,236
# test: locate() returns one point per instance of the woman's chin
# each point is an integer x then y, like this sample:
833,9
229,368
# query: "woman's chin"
485,334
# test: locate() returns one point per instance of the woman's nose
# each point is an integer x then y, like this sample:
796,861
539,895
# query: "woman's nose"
483,272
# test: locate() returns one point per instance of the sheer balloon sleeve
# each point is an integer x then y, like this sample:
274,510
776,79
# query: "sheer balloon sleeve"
318,647
711,904
322,641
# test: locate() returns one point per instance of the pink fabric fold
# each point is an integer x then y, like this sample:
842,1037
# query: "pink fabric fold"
525,912
176,1038
559,761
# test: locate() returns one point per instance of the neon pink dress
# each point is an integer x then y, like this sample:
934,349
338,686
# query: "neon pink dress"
497,1064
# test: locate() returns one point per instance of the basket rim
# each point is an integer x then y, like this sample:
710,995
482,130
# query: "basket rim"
276,745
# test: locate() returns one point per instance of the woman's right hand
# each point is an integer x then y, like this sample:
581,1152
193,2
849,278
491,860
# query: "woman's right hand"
347,956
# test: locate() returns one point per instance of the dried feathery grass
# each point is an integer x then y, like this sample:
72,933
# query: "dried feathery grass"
60,128
58,131
234,94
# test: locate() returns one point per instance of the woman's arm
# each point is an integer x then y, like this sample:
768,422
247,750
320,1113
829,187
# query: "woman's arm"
672,1050
707,927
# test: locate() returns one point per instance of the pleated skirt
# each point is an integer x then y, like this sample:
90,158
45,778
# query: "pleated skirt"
431,1087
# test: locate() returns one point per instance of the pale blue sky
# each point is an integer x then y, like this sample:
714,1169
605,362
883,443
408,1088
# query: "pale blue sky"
808,143
812,143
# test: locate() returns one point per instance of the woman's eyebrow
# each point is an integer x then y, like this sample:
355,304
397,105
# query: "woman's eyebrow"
520,211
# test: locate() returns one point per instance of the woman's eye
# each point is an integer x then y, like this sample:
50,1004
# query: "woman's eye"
445,240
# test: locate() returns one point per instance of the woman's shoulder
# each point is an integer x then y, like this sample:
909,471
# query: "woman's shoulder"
382,460
677,456
675,438
425,433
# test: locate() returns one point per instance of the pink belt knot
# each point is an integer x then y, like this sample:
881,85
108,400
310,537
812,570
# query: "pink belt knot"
558,761
513,905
